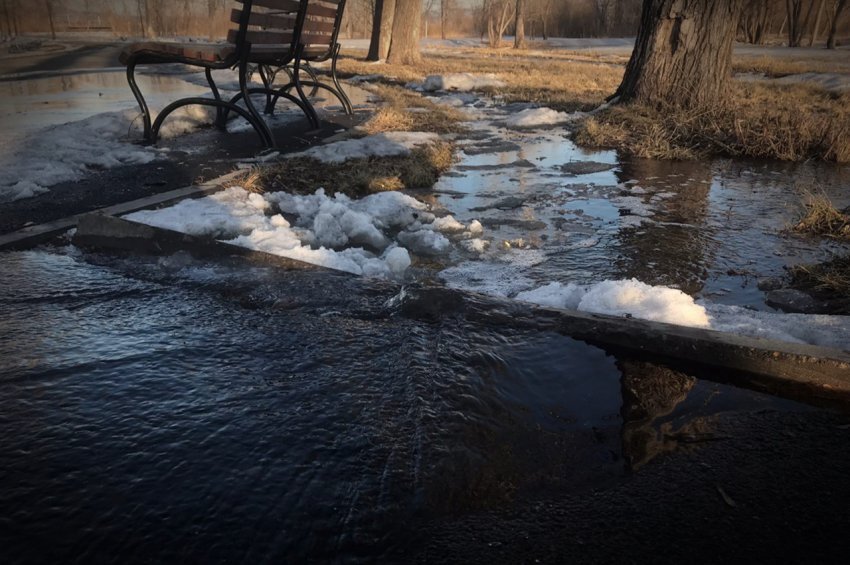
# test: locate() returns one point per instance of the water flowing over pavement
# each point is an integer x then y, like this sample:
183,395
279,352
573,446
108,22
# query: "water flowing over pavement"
169,408
161,409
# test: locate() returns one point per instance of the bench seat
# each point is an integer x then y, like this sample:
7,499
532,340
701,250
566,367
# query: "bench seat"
199,54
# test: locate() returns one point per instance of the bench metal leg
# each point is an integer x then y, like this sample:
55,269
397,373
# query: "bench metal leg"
219,111
257,123
146,115
296,80
243,87
340,93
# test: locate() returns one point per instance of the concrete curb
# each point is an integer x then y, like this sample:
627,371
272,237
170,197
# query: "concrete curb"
800,372
34,235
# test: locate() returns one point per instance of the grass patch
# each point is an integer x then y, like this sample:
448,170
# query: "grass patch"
356,177
408,111
559,82
790,123
829,281
822,218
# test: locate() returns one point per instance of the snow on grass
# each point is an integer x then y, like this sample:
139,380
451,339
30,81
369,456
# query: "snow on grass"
69,152
388,144
463,82
533,117
370,236
662,304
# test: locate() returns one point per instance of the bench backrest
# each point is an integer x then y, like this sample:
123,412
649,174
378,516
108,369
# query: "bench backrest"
321,27
268,23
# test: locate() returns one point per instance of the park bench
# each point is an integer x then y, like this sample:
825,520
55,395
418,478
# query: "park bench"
320,37
269,33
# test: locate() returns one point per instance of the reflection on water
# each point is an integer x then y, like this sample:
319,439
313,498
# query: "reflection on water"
162,408
31,104
711,228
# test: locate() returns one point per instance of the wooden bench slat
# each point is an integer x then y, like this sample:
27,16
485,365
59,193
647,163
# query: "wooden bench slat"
311,26
266,20
282,5
262,37
314,9
315,39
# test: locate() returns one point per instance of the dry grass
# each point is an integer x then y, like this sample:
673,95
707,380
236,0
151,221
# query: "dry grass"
791,123
356,177
779,67
407,111
829,281
560,83
820,217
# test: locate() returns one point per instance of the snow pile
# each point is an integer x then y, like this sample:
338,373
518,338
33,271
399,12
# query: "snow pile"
370,236
387,144
463,82
619,298
533,117
69,151
661,304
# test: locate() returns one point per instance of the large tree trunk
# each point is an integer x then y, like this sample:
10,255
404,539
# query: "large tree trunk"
404,47
382,27
683,52
519,31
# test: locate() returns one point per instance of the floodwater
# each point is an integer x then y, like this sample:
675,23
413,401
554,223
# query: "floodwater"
163,409
34,103
169,409
555,212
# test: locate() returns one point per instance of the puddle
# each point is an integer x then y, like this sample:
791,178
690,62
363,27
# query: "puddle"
138,394
34,103
709,228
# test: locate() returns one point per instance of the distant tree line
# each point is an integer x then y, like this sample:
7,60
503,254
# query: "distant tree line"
793,22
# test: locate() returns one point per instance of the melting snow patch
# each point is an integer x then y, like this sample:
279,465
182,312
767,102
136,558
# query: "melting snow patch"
463,82
370,236
661,304
387,144
533,117
619,298
66,152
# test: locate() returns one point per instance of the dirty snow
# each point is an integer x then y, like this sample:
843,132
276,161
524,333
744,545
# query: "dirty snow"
387,144
533,117
371,236
463,82
69,152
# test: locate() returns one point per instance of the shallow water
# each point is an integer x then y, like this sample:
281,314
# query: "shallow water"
162,409
34,103
710,228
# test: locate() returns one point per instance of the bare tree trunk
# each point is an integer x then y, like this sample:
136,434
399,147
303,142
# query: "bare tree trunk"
796,26
444,17
382,27
519,25
7,17
683,53
142,11
404,47
50,18
816,27
833,28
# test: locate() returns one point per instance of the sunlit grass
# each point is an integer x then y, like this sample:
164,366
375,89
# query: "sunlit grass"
403,110
354,177
821,217
790,123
